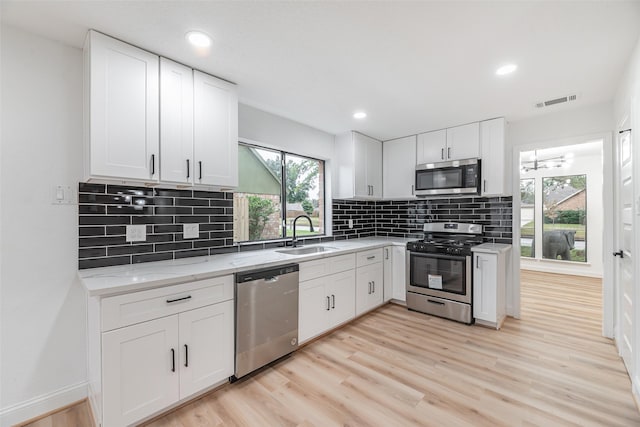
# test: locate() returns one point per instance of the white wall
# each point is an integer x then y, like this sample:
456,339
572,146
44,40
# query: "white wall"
627,102
284,134
42,307
554,128
590,165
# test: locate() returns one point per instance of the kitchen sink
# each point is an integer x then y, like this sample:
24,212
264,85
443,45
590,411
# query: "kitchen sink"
306,250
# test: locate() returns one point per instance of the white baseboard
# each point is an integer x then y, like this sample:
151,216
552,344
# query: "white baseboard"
635,390
42,404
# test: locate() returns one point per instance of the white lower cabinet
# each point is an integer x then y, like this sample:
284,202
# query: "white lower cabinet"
324,303
145,367
490,274
369,287
138,378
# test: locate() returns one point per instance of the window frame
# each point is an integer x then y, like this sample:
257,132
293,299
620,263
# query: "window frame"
283,193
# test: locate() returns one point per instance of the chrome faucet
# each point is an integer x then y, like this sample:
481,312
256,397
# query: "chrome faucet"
294,241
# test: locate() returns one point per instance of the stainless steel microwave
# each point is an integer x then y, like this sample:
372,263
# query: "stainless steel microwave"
448,178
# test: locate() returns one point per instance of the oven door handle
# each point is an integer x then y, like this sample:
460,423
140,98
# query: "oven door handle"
439,256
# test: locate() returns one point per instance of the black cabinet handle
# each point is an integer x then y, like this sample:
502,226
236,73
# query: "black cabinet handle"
620,253
484,190
173,360
188,169
435,302
153,164
169,301
200,166
328,303
449,153
373,287
442,154
186,356
333,301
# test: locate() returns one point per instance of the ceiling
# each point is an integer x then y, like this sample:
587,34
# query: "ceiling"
412,66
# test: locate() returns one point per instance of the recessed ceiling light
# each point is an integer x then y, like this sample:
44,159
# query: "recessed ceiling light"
506,69
359,115
198,39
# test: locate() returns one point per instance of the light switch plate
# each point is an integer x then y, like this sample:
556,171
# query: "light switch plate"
136,233
61,195
191,231
350,223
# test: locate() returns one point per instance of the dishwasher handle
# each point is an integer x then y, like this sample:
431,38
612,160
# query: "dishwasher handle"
266,274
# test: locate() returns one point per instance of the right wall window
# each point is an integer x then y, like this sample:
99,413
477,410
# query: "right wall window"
564,213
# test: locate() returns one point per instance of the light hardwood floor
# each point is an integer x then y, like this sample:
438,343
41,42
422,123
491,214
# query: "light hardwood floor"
399,368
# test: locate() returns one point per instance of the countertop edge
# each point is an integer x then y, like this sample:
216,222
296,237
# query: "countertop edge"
492,248
89,278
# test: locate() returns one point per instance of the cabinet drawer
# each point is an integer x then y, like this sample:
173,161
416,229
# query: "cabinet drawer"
325,266
136,307
369,257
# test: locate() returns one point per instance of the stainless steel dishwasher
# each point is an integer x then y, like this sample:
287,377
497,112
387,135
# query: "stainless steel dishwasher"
266,316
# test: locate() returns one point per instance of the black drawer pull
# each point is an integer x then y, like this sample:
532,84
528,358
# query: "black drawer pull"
435,302
169,301
173,360
186,356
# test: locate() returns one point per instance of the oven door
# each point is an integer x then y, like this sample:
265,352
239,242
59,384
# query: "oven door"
444,276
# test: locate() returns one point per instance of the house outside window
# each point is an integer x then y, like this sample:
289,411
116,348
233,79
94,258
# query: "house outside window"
274,188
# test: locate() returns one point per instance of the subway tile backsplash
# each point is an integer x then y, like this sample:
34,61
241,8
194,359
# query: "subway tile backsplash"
405,218
106,210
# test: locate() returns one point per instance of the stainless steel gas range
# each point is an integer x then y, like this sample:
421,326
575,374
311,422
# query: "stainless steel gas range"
439,270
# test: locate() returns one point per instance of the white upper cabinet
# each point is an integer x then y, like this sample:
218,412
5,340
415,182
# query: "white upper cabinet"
154,120
357,167
122,128
457,143
494,173
432,147
398,173
176,122
215,132
463,142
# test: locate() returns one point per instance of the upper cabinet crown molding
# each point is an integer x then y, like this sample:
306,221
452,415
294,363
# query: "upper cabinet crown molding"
357,167
155,121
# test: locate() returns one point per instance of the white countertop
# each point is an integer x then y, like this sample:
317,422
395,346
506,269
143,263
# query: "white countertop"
494,248
108,281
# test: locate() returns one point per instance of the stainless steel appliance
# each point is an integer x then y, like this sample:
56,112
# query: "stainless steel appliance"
439,270
266,316
454,177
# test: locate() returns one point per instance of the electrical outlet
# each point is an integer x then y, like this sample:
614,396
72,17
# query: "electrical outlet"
191,231
136,233
350,223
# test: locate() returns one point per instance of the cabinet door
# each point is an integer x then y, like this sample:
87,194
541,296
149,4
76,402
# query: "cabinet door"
369,287
206,347
388,273
399,273
398,170
361,185
374,167
485,276
463,142
492,157
176,122
215,132
431,147
139,370
123,139
314,305
342,294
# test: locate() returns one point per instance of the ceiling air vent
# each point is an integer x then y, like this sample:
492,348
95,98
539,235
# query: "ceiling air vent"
555,101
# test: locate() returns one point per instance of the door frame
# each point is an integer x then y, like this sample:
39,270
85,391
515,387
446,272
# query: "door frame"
608,300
